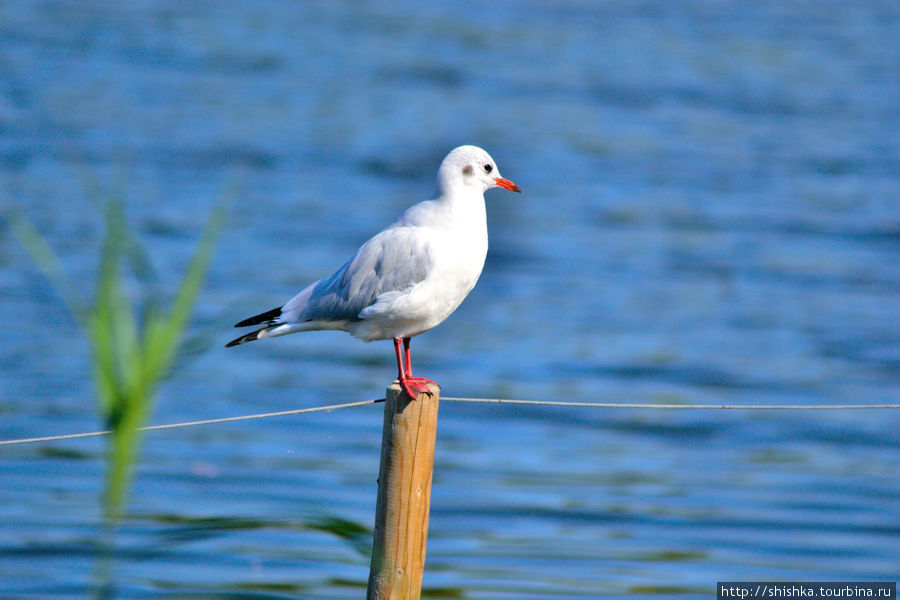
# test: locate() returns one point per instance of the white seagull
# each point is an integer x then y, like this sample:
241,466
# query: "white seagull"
410,276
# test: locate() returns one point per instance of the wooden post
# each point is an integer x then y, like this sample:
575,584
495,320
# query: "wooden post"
404,495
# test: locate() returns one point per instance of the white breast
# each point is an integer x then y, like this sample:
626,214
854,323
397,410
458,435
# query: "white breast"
457,244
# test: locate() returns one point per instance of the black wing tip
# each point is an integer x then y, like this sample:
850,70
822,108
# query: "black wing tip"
247,337
266,317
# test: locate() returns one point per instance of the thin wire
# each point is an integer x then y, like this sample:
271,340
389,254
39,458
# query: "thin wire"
680,406
300,411
283,413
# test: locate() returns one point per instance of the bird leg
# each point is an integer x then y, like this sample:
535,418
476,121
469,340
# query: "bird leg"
400,373
407,357
413,386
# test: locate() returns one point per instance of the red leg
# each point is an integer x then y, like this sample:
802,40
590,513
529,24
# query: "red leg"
400,373
413,386
408,359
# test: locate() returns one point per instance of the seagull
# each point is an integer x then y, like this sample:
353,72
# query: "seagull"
409,277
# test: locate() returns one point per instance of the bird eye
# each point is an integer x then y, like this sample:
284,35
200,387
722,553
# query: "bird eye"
488,168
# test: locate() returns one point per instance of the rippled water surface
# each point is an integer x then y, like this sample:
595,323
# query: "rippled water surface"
711,214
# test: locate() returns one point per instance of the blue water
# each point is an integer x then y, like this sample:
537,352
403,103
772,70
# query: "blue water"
711,214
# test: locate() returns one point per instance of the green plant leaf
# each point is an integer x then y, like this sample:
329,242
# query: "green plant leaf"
49,264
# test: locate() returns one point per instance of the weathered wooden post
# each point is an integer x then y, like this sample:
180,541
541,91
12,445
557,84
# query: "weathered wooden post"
404,495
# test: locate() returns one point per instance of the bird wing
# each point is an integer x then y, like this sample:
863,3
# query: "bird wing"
393,261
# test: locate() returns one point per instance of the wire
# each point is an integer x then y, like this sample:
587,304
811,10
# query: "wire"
330,407
283,413
680,406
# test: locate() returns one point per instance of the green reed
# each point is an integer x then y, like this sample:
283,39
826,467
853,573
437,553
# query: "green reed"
133,343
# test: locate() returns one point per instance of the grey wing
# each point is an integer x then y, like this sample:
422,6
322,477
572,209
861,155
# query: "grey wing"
394,260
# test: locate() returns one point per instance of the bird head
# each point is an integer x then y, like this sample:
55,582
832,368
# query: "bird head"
471,167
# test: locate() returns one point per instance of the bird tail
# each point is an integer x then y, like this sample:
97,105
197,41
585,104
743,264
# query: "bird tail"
270,318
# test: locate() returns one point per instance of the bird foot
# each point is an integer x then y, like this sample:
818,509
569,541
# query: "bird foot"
413,386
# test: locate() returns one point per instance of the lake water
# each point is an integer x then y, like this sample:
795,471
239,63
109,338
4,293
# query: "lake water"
711,214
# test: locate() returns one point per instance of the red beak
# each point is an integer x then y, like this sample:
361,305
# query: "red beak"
506,183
